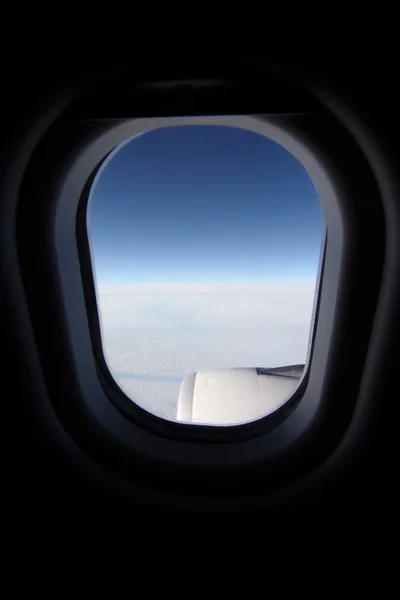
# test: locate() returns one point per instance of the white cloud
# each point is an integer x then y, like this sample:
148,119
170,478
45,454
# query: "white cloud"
156,334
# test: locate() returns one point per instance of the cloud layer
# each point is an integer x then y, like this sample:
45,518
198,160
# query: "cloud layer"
156,334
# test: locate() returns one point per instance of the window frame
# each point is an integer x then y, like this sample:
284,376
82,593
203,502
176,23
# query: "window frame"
156,440
204,434
123,402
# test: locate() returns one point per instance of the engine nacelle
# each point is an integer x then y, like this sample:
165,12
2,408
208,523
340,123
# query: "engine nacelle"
232,396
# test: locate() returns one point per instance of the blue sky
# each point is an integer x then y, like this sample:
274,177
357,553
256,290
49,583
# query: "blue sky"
204,203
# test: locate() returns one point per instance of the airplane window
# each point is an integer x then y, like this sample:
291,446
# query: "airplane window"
205,245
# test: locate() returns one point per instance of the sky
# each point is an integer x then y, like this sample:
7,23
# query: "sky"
204,203
205,243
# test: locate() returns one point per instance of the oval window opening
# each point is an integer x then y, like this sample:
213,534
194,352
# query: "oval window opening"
205,245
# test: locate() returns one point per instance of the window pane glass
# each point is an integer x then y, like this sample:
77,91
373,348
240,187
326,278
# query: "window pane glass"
205,244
